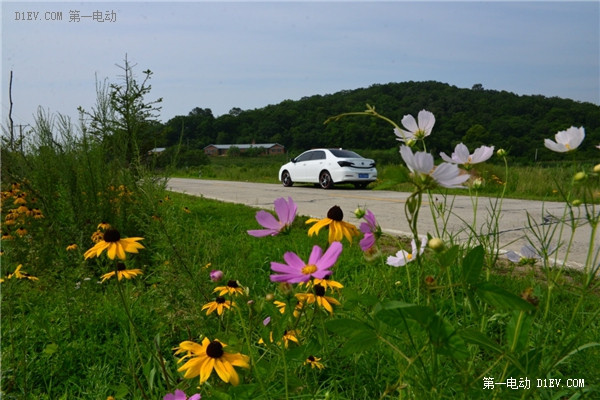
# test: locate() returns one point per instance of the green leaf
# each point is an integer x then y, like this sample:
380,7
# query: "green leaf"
50,349
500,298
448,257
360,342
475,337
577,350
347,327
360,336
441,333
517,331
472,265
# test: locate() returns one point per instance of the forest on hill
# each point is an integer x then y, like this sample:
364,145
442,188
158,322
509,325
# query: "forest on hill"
473,116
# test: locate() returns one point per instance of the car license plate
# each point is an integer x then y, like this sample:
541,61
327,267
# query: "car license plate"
363,176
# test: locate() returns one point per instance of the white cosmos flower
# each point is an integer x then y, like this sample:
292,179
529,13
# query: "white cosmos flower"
403,257
598,146
566,140
461,155
416,130
445,174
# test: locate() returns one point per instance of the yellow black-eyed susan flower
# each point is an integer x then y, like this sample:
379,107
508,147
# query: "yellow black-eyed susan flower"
72,246
203,358
232,288
326,282
337,227
114,246
288,336
314,362
103,226
121,272
19,274
319,297
219,304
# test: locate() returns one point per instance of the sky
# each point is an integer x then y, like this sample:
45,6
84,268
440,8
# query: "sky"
221,55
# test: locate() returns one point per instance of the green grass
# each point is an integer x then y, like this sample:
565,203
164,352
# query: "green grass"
67,336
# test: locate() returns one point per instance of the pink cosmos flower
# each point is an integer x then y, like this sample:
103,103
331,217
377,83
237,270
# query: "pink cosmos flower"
371,231
180,395
286,211
461,155
296,270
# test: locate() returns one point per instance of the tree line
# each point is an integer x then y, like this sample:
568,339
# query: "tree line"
473,116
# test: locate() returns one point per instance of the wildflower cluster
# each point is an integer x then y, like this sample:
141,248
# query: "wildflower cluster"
18,212
221,303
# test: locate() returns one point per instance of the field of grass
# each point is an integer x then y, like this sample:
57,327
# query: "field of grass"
536,182
434,329
114,288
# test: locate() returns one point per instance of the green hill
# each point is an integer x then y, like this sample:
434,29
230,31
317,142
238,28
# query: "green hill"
473,116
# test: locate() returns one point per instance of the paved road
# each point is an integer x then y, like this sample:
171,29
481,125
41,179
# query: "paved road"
388,207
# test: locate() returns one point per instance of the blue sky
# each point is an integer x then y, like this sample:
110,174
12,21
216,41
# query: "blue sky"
221,55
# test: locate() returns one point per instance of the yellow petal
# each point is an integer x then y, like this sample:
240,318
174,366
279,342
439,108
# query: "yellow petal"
317,227
206,368
222,370
120,250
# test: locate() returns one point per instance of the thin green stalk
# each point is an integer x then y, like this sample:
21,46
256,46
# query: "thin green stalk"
251,352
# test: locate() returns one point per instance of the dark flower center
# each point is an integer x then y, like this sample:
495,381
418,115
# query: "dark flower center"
319,290
220,300
311,358
214,349
112,235
121,267
335,213
232,284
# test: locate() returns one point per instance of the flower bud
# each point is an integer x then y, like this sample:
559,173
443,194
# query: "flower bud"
477,183
501,153
269,297
436,244
576,203
216,275
579,176
359,212
597,168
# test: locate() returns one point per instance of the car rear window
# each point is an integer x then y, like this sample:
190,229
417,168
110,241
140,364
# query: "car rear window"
344,153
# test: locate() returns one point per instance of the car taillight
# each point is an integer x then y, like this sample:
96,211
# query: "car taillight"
345,163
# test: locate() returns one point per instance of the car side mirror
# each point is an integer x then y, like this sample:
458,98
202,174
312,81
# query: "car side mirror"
293,160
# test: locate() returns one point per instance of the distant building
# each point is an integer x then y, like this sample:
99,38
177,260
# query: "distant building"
221,149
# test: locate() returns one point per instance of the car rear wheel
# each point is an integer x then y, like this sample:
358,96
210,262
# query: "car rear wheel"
286,179
325,180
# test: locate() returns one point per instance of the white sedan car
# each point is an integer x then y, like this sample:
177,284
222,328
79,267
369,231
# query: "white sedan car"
328,166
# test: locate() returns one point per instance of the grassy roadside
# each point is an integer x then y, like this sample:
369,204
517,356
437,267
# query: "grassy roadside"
68,336
541,182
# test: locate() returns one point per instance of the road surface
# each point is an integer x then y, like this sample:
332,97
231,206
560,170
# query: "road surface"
388,207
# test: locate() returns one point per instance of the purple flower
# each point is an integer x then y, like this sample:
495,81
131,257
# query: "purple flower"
180,395
296,270
371,231
286,211
266,321
216,275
